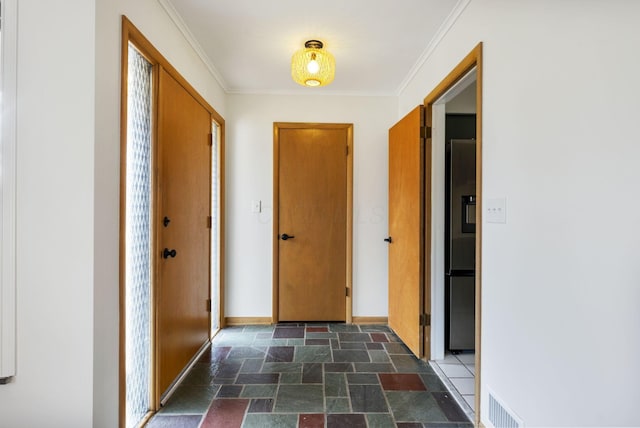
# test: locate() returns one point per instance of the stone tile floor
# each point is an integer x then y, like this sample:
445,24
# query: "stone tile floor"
308,376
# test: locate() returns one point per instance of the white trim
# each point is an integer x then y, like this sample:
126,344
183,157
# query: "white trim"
435,41
438,179
466,81
190,38
311,91
8,83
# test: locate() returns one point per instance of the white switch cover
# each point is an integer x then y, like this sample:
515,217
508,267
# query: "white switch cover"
496,210
256,206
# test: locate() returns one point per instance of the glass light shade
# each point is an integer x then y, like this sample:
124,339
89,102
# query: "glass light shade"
305,61
313,66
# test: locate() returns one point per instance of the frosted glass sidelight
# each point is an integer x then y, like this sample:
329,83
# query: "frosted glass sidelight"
215,226
138,238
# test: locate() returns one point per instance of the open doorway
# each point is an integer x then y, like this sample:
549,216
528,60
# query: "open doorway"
454,185
459,307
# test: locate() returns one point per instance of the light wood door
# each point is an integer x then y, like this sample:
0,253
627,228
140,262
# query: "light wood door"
312,209
184,193
406,229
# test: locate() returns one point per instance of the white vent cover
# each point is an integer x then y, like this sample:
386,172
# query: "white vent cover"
500,415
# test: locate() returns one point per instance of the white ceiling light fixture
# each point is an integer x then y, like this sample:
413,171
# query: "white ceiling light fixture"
313,66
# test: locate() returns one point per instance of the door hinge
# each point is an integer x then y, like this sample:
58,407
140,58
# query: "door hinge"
208,305
347,150
346,290
425,132
209,222
211,140
425,320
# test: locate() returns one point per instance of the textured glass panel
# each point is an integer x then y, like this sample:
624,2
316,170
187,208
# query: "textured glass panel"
138,238
215,227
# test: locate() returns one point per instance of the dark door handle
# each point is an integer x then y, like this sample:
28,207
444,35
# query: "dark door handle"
168,253
389,240
165,221
284,237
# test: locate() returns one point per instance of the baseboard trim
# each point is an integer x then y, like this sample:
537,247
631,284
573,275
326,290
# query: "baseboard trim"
370,320
231,321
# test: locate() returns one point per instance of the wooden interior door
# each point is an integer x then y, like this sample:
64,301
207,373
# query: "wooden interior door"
406,229
183,208
312,222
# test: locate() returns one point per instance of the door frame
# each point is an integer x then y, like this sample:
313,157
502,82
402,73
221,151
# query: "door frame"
471,61
276,212
131,34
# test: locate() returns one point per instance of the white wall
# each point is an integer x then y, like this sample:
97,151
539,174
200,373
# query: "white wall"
464,102
67,204
250,177
561,325
54,255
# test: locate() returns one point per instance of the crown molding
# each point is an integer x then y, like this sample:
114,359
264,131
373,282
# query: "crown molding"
433,44
451,19
311,92
190,38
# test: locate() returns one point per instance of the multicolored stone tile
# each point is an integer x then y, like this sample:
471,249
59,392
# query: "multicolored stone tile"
401,382
226,413
315,420
261,405
316,375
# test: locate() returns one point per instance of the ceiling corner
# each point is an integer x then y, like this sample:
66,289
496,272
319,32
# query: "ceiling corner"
182,27
433,44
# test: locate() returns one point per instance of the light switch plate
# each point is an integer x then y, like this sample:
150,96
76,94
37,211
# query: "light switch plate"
495,210
256,206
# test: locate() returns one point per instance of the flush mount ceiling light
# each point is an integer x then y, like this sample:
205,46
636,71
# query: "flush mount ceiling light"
313,66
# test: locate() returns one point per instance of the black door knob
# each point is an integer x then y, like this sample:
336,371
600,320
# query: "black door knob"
168,253
165,221
284,236
389,240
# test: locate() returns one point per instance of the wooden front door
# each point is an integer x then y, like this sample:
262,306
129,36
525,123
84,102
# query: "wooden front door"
406,229
183,239
312,223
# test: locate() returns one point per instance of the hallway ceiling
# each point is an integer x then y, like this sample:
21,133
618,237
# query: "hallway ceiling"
247,44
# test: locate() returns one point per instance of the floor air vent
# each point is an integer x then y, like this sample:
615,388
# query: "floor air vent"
500,415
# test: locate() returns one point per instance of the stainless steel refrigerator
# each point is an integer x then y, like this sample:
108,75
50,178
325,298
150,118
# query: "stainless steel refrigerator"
460,242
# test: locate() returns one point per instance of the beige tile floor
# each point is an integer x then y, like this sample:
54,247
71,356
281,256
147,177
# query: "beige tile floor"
457,372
